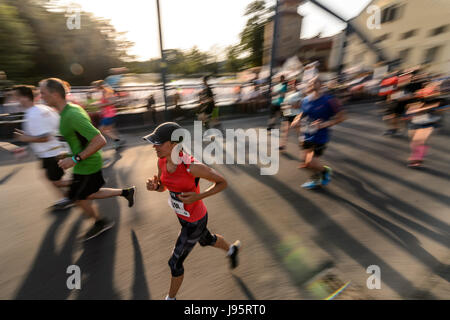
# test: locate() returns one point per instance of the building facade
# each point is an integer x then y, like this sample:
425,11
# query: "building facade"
417,32
288,35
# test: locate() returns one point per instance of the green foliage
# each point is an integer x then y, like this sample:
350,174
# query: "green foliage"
38,43
180,62
17,42
233,62
252,37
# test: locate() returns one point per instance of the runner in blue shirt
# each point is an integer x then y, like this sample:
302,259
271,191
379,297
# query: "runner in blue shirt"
319,111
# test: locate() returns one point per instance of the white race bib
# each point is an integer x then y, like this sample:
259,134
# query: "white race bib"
386,89
306,127
425,119
178,206
397,95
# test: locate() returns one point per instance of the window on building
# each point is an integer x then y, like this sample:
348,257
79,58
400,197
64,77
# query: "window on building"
409,34
431,54
438,30
404,54
391,13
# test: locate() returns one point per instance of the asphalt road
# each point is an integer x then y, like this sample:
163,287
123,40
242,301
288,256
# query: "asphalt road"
375,211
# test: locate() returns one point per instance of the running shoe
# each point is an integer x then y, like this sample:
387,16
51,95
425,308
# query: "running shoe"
415,164
389,132
63,204
106,163
119,143
314,183
98,228
326,176
234,254
131,196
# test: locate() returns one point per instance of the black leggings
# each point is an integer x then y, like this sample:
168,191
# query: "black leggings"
190,234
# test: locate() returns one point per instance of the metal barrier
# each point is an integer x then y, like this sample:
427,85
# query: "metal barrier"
132,102
137,96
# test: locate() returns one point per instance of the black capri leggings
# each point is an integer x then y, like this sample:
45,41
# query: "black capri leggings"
190,234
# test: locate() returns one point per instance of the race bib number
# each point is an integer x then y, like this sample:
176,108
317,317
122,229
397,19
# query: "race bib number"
176,204
386,90
307,128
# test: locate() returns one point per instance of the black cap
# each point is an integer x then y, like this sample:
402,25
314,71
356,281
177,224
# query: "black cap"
163,133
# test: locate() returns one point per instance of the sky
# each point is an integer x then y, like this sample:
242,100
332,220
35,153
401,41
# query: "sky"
211,25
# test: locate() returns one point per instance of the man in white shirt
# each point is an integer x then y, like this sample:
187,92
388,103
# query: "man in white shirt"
290,110
40,130
310,71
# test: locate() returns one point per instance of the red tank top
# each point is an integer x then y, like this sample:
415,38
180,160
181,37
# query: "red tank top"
181,180
108,111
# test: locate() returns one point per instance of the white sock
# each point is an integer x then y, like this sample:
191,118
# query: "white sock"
231,250
168,298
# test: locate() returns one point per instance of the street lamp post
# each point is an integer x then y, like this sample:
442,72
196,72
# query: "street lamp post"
163,61
274,46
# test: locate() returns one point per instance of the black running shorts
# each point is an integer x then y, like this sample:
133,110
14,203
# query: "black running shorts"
52,170
318,148
84,185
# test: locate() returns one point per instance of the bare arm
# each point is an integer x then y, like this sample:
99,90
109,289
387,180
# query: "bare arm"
296,120
338,118
155,184
202,171
94,145
21,136
422,108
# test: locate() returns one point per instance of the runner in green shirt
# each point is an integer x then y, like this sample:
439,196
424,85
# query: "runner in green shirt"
85,142
76,127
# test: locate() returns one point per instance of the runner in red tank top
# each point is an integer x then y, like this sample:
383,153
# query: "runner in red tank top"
108,113
181,177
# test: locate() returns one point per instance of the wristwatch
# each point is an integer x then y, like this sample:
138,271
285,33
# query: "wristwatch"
77,158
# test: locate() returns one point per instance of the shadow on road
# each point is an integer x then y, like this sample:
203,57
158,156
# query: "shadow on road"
10,175
47,276
386,201
393,232
332,233
244,288
269,238
98,258
442,198
140,287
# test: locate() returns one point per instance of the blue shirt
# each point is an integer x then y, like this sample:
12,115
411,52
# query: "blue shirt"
280,90
322,109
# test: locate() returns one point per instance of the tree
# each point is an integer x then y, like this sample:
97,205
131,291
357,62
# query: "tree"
252,37
233,63
17,43
96,46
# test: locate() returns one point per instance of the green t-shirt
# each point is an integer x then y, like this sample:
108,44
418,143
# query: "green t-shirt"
90,107
76,127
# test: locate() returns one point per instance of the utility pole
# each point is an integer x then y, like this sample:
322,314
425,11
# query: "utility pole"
274,46
163,61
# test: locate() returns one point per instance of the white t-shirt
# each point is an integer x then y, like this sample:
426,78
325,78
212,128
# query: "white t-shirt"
42,120
309,73
293,99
